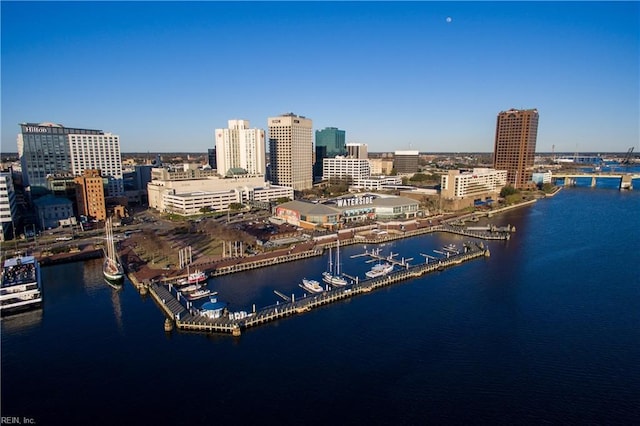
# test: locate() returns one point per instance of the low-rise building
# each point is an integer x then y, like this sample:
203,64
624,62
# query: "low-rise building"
464,189
353,208
51,211
190,196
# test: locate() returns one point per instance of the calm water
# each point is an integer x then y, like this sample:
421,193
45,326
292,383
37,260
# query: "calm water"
547,330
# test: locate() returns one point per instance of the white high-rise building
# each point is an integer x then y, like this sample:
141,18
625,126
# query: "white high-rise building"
291,151
101,152
240,147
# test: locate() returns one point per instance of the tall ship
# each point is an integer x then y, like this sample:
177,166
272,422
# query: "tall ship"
20,287
111,268
332,274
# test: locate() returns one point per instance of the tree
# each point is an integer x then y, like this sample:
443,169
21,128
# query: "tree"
236,206
508,190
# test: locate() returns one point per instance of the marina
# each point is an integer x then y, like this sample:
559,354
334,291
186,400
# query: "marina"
193,319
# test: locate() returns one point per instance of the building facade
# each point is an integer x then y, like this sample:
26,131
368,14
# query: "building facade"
381,166
352,208
51,211
515,145
334,139
357,150
98,152
464,189
8,206
291,151
406,161
351,169
240,147
90,195
49,149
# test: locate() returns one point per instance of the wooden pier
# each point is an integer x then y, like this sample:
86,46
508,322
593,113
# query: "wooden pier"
193,321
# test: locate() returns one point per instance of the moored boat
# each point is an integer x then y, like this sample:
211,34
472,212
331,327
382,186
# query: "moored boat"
111,268
333,276
20,285
312,285
199,294
379,270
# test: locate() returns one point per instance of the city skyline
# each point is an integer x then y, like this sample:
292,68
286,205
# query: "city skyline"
425,76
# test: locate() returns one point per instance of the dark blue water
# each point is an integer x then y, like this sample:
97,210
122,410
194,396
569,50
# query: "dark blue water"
546,330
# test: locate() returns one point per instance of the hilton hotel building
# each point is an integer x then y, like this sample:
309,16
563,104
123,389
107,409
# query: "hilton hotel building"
49,149
291,151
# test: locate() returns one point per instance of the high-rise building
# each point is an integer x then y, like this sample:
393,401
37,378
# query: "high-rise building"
49,149
334,139
90,194
406,161
240,147
211,158
291,151
515,145
8,206
357,150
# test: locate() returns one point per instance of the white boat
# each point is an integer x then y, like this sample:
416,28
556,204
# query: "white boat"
190,288
199,294
332,276
379,270
312,285
111,268
20,287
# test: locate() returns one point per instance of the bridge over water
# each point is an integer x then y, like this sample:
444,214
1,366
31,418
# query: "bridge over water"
617,180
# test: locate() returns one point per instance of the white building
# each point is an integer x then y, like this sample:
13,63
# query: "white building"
8,208
542,177
101,152
291,151
353,169
189,196
377,183
240,147
480,182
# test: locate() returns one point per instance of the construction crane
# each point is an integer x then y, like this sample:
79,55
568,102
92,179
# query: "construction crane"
627,158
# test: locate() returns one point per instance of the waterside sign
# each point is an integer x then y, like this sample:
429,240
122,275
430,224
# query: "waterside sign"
354,201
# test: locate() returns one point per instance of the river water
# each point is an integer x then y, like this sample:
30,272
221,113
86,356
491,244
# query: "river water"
546,330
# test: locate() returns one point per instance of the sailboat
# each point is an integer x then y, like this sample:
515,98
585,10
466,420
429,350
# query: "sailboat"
332,276
111,269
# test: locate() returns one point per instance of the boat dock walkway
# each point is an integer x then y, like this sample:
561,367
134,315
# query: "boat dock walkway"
193,321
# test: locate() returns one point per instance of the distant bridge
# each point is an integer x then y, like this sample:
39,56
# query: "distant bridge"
625,180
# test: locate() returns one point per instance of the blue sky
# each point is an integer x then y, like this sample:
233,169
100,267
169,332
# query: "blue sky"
164,75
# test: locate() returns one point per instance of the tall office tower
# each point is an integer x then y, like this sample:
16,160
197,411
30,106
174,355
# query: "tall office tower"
240,147
8,206
406,161
211,157
357,150
48,149
291,151
515,145
334,139
90,194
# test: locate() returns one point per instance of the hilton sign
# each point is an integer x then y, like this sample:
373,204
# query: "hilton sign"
34,129
355,201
